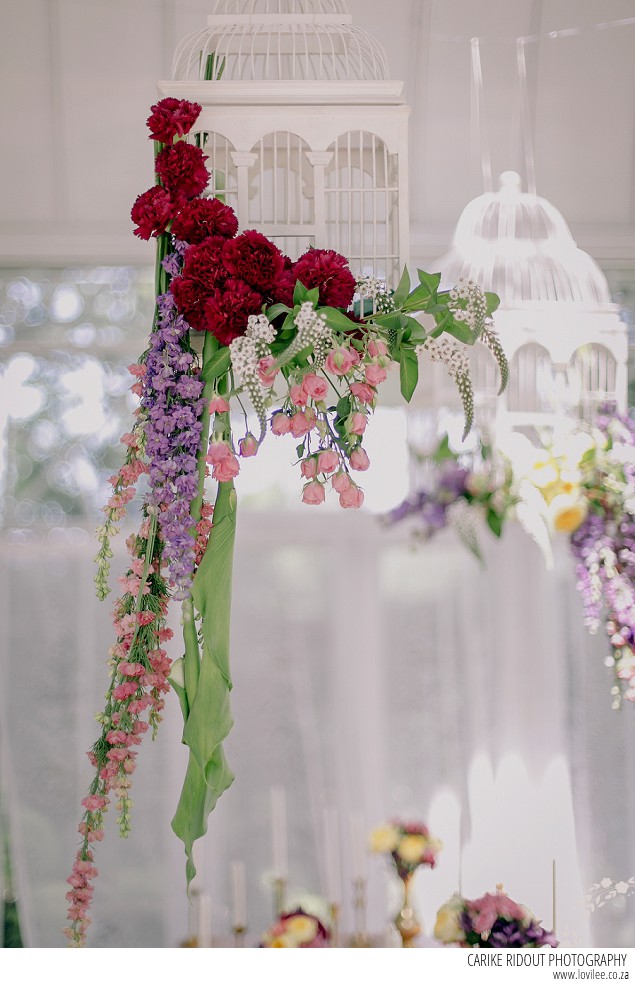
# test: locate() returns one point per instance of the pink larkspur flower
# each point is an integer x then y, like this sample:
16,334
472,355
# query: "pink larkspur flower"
218,405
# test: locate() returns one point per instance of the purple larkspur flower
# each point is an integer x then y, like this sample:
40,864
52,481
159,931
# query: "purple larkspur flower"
172,408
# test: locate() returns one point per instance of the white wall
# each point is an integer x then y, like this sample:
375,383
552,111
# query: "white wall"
79,76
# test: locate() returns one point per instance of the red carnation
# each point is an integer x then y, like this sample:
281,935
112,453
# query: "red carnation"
152,212
227,311
253,258
203,217
172,117
329,271
283,287
182,169
203,273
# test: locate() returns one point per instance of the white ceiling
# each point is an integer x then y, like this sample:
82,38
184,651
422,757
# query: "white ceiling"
78,77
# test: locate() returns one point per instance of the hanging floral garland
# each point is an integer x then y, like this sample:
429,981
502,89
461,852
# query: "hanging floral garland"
581,485
288,339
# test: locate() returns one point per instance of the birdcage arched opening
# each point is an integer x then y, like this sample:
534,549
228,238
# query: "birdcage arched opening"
223,182
593,378
281,193
531,380
362,204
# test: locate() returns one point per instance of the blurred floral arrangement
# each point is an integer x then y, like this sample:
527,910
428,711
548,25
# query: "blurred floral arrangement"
326,341
581,485
296,929
492,921
409,845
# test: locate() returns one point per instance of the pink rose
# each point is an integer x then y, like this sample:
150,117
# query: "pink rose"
375,374
313,493
316,388
339,361
218,405
363,392
248,446
309,468
359,459
302,423
298,395
226,469
280,424
356,423
266,376
353,497
341,482
328,461
377,349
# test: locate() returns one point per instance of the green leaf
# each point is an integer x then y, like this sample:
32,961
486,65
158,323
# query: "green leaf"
217,365
495,522
443,451
209,720
493,303
299,293
430,280
343,407
408,373
403,289
275,310
337,320
313,296
419,299
177,681
460,331
393,322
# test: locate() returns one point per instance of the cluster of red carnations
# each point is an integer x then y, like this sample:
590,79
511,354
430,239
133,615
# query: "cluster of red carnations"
222,280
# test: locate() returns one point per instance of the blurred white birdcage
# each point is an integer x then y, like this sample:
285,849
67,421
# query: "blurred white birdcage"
306,134
565,341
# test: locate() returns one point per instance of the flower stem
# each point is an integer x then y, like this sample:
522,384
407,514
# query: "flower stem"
192,657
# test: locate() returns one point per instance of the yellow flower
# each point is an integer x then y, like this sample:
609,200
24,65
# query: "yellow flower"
448,924
281,941
567,512
385,838
544,470
411,848
301,929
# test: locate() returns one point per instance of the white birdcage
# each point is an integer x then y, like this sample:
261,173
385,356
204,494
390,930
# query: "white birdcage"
564,338
306,134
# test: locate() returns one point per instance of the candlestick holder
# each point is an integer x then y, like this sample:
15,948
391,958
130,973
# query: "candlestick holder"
239,931
279,896
334,912
360,938
190,943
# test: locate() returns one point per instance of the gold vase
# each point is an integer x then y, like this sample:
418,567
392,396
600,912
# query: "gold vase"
406,920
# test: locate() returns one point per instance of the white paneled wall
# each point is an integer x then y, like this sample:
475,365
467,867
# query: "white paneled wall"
80,76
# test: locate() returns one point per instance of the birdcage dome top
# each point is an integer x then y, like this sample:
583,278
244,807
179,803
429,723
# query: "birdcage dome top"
519,246
280,40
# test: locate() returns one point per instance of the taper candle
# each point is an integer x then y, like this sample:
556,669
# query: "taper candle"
239,894
279,832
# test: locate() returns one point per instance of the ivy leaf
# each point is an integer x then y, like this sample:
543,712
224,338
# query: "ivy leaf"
443,451
408,372
217,365
403,289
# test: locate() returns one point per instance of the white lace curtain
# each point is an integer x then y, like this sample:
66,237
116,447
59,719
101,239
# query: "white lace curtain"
367,676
